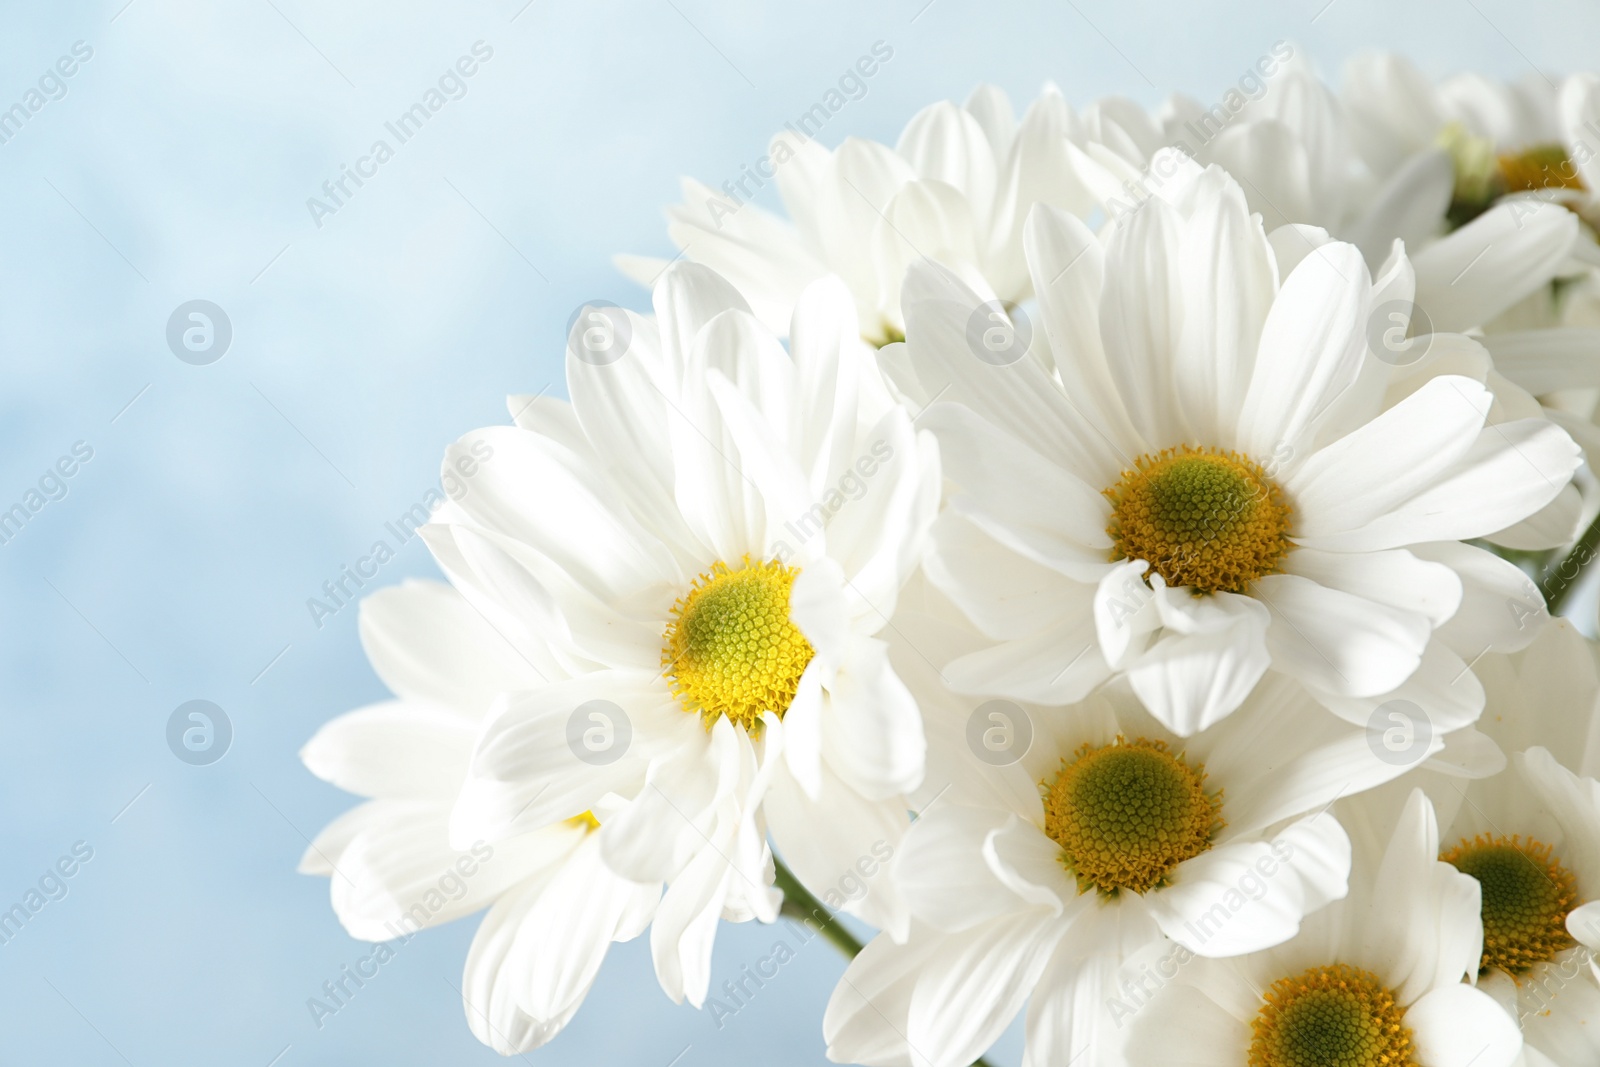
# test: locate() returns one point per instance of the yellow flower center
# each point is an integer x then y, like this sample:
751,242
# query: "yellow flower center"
730,649
586,820
1126,814
1484,176
1541,167
1330,1017
1203,519
1526,897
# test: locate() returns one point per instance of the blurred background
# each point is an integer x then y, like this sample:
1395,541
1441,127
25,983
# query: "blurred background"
212,495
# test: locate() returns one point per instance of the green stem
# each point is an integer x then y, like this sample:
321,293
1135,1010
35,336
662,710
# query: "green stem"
800,904
1560,580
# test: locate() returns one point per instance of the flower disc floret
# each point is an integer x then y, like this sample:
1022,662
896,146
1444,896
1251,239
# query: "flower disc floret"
1335,1016
1205,520
1527,895
1126,814
730,649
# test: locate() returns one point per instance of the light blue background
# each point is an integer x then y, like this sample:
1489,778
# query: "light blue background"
178,565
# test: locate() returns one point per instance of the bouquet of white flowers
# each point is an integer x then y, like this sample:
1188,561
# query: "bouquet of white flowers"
1116,556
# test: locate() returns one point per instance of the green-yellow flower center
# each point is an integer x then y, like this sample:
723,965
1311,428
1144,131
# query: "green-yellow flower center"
1205,520
1526,897
730,649
1126,814
1330,1017
1483,176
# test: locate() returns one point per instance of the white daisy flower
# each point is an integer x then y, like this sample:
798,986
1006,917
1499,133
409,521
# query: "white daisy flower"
1514,170
1370,168
957,188
1530,137
1373,169
707,541
554,908
1043,881
1373,980
1531,836
1206,484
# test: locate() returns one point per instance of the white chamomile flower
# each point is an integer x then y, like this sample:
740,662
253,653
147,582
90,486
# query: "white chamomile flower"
1374,980
957,188
1531,836
706,540
1370,168
1205,484
1377,167
1510,175
1048,880
1531,138
554,908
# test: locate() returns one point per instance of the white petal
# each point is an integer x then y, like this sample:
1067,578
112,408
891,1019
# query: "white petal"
1004,593
1125,609
1511,471
686,298
1546,360
1376,467
947,867
1190,680
1055,666
1182,1027
565,935
871,727
491,1005
1140,317
1408,207
622,406
1068,267
1228,283
839,844
1272,161
428,643
967,994
1019,498
1431,935
1396,578
1316,758
554,501
1338,641
528,771
393,750
761,254
1019,395
818,606
400,873
1248,896
685,927
1458,1026
1312,347
1492,262
1501,609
